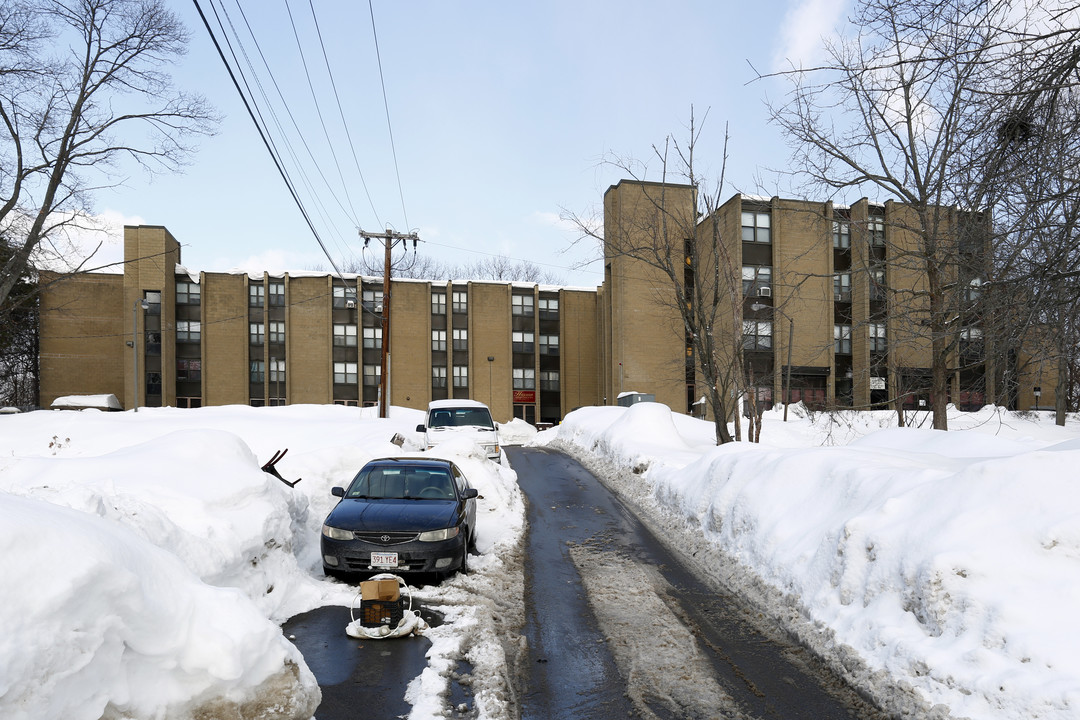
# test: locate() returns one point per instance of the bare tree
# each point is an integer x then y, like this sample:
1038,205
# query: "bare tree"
84,86
701,281
914,107
18,343
500,268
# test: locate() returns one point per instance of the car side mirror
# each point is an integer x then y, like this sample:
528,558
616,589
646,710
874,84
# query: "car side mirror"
470,493
338,492
420,428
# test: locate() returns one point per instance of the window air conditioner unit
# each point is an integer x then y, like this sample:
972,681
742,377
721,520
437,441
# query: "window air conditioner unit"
764,291
839,297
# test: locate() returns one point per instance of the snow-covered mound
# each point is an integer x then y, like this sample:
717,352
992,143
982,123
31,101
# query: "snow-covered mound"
117,627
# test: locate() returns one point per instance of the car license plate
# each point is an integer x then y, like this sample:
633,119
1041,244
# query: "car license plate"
384,559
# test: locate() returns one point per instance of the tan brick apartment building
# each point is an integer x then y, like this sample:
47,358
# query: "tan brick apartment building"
159,335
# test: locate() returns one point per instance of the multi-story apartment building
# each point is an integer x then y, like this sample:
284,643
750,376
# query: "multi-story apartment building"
819,292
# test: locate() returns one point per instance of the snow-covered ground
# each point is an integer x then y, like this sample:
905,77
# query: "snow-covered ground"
948,563
148,562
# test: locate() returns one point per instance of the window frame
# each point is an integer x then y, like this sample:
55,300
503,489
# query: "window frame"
760,233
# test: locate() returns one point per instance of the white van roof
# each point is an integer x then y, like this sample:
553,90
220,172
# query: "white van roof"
434,404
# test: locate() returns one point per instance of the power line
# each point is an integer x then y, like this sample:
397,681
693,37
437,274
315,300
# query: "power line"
386,105
263,136
318,111
341,112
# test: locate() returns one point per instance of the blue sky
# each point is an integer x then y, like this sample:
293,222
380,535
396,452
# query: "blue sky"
501,115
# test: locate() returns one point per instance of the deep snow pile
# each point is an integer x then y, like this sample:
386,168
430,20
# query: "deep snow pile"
148,560
949,561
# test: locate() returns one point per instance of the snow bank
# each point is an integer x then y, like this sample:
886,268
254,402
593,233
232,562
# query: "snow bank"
148,561
951,561
117,627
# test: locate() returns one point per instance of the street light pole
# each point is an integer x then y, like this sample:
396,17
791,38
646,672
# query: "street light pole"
491,359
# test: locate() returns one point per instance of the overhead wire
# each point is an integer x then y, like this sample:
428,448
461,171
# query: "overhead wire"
389,126
324,213
263,135
318,112
341,113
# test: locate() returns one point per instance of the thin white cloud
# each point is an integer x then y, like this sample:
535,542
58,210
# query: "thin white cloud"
89,242
805,26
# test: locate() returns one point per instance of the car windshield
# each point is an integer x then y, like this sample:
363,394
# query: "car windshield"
461,417
382,482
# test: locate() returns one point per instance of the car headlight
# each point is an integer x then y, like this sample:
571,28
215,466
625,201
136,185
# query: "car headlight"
437,535
336,533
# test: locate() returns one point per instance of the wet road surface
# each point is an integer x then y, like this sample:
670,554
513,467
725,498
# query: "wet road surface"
361,678
573,670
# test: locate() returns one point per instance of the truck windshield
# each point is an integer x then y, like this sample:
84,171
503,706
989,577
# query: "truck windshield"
460,417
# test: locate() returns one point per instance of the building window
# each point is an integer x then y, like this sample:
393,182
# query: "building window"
877,337
756,227
841,235
971,335
372,375
345,373
342,296
841,283
258,371
188,330
277,332
756,278
842,339
757,335
549,344
153,299
461,339
188,370
877,285
523,342
461,376
277,294
277,370
438,340
521,305
257,333
372,338
256,295
524,379
344,335
461,302
973,291
188,293
549,308
875,227
549,380
438,376
438,303
373,300
256,402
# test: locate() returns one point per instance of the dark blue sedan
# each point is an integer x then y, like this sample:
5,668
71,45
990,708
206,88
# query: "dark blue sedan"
401,515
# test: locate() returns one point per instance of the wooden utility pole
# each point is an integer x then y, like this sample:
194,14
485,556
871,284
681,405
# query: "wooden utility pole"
389,240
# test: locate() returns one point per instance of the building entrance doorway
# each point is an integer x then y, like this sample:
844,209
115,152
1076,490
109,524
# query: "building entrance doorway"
526,413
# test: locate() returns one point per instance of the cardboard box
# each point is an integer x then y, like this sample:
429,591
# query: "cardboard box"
385,590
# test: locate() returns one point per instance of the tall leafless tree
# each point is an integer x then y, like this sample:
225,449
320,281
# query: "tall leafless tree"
84,88
701,282
924,105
